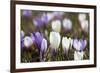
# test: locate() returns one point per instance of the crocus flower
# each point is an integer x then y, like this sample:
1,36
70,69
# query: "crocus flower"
37,21
22,43
56,25
67,24
44,18
44,45
78,55
28,41
58,14
79,45
22,34
54,39
50,16
37,38
27,13
85,25
66,43
81,17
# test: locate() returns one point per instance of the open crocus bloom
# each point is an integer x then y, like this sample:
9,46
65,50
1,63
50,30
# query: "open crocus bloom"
56,25
66,43
78,55
79,45
37,38
67,24
81,17
28,41
44,45
85,25
54,40
27,13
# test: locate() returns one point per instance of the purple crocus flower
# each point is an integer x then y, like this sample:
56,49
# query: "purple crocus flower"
22,34
44,18
40,21
22,44
79,45
27,13
37,21
58,14
37,38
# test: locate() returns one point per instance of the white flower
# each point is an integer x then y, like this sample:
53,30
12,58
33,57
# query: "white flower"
67,24
44,45
56,25
85,25
81,17
54,39
78,55
50,16
28,41
66,43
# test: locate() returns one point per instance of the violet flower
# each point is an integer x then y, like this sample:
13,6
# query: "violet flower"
37,22
37,38
58,14
22,34
40,21
44,18
27,13
79,45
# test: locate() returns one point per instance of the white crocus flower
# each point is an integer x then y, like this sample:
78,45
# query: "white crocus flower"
66,43
50,16
54,40
67,24
78,55
56,25
28,41
81,17
44,45
85,25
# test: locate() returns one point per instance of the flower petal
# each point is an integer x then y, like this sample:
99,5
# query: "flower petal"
54,39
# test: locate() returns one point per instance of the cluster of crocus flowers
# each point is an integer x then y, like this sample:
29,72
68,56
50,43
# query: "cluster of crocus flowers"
46,17
55,39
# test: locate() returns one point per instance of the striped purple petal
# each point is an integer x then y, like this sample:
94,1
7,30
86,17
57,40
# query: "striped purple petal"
37,37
